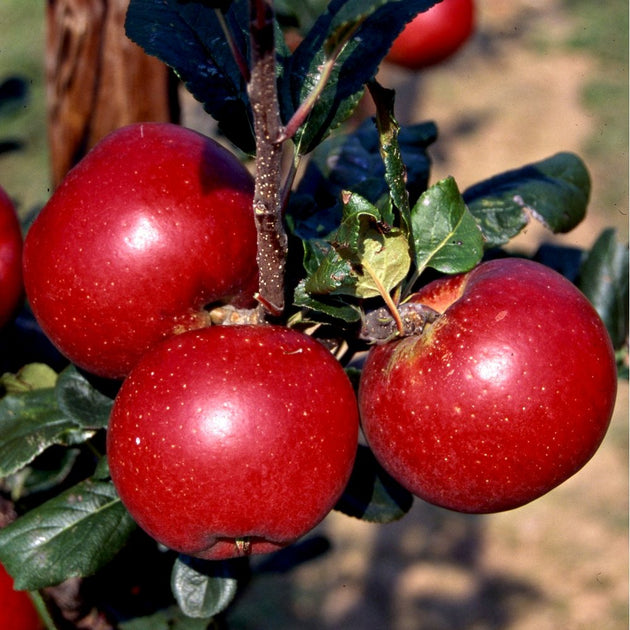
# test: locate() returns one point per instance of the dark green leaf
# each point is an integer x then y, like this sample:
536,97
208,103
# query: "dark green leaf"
33,420
30,422
72,535
349,40
202,589
171,618
446,236
188,37
604,280
301,14
395,171
555,191
80,402
42,475
372,494
352,162
333,274
329,305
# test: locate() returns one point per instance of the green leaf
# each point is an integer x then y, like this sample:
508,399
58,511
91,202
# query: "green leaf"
384,263
329,305
80,402
202,589
353,162
348,41
332,275
446,236
372,494
303,14
72,535
603,279
188,37
31,421
395,171
366,257
555,191
171,618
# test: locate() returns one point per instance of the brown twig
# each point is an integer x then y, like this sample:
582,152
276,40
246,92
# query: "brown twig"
272,238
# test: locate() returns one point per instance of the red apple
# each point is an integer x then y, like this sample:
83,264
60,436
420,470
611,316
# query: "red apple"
154,224
17,611
10,259
233,440
434,35
506,395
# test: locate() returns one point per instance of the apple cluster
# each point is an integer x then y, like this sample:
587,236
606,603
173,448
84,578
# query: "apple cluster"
238,439
223,440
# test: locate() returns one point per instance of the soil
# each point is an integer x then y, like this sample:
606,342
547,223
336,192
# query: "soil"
560,563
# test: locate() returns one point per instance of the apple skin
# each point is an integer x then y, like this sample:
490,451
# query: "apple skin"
434,35
506,395
233,440
17,611
11,288
155,223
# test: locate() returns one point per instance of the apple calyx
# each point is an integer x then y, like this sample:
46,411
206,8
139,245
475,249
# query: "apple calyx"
381,326
229,315
243,546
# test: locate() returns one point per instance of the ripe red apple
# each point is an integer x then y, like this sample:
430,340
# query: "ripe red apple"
506,395
434,35
17,611
155,223
10,259
233,440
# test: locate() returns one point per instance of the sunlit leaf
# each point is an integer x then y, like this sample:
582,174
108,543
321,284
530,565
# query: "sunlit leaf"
554,191
446,236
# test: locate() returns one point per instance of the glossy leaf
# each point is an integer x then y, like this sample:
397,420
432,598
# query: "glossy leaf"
337,57
445,234
329,305
188,37
353,162
72,535
202,589
554,191
31,421
395,170
372,494
80,402
603,279
365,257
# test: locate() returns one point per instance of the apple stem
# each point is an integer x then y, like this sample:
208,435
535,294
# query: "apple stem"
262,89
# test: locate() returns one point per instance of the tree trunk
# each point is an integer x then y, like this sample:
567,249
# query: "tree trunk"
97,79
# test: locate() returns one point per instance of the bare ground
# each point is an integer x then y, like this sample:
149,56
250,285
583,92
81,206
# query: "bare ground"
560,563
